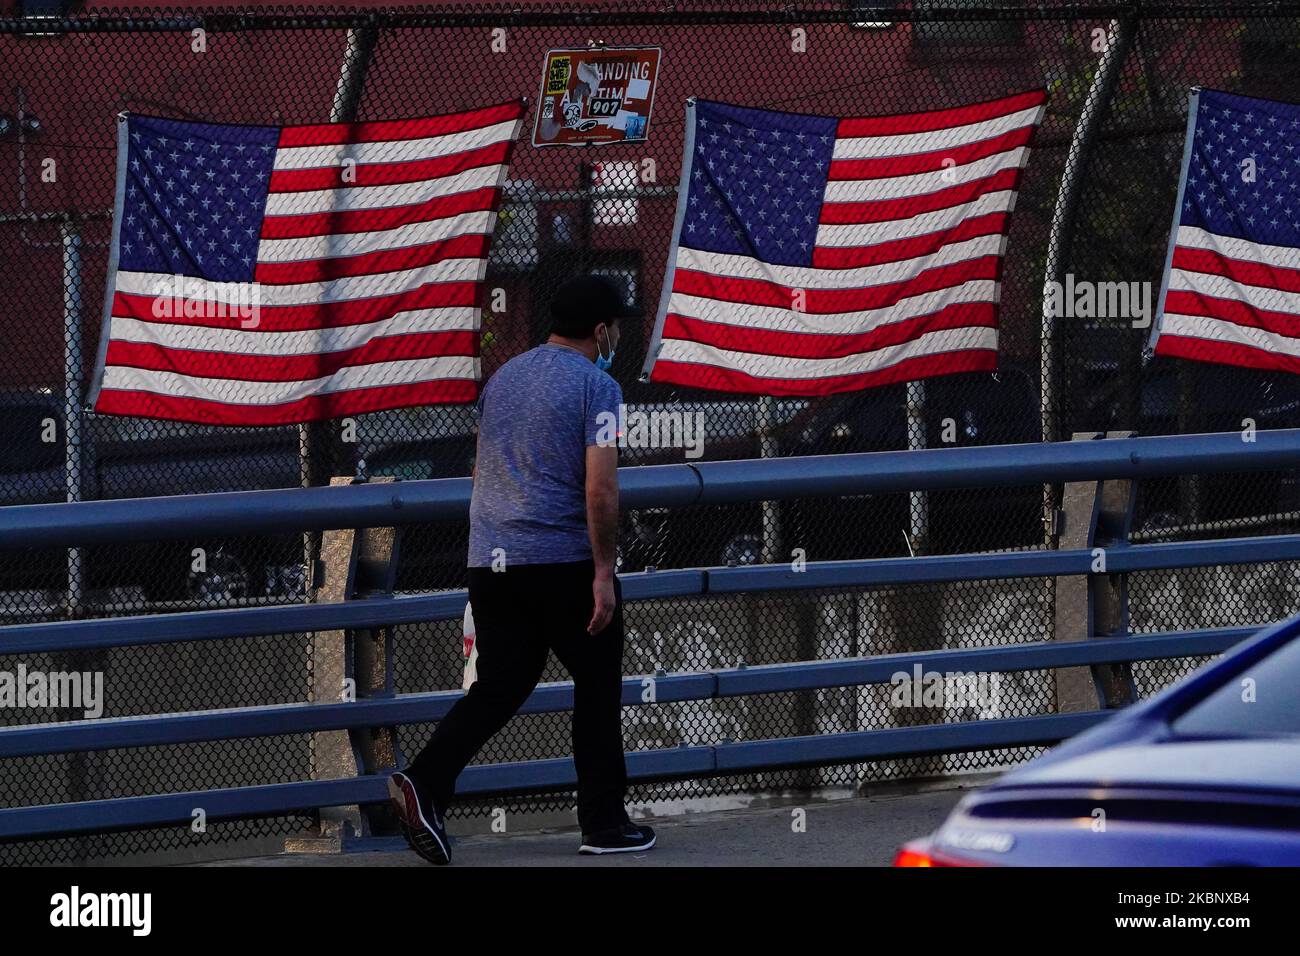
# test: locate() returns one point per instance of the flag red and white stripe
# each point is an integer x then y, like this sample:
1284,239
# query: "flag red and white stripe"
816,255
364,247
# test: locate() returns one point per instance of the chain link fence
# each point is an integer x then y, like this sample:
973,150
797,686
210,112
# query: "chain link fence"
1095,205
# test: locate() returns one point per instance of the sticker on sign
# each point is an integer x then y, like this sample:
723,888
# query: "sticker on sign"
596,96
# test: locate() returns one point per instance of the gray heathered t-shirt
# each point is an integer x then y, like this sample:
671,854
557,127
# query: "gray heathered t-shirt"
537,415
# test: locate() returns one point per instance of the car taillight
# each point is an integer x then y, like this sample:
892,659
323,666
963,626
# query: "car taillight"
918,853
906,857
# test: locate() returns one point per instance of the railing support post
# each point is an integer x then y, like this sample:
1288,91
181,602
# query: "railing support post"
1096,516
772,551
351,665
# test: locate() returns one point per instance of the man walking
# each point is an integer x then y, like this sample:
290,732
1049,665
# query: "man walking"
543,523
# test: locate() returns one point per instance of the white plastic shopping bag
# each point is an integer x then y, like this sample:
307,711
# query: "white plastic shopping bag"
470,650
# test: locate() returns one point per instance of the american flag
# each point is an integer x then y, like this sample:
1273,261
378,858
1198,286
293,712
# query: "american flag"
1231,289
264,275
816,255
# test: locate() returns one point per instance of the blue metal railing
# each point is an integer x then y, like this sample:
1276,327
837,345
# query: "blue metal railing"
235,513
104,522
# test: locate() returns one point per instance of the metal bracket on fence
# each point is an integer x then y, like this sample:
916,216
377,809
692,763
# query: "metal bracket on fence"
354,664
1096,515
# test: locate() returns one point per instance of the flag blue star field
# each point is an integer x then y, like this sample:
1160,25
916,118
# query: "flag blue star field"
815,255
1231,290
264,275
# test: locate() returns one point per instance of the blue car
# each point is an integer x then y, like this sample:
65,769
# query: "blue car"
1206,773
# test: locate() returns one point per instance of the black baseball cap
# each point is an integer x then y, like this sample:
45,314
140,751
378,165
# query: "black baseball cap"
586,301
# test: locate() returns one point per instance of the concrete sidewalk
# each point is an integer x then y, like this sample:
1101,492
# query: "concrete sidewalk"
862,831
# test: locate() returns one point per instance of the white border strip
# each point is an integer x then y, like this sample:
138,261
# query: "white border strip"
1193,105
670,274
114,245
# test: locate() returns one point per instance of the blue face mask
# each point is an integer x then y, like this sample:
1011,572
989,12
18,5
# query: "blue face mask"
604,362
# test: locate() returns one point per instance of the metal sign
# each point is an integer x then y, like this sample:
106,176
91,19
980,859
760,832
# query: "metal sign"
598,95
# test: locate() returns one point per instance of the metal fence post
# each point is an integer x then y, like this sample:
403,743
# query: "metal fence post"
1119,40
73,384
79,771
1097,515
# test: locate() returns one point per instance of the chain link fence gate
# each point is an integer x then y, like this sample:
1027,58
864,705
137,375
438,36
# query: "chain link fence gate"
1095,204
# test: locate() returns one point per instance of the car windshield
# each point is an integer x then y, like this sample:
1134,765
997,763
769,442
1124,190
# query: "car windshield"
1263,701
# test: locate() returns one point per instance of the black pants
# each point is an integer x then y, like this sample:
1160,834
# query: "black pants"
519,614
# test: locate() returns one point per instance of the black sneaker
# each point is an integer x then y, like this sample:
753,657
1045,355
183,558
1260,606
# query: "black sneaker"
629,838
421,822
